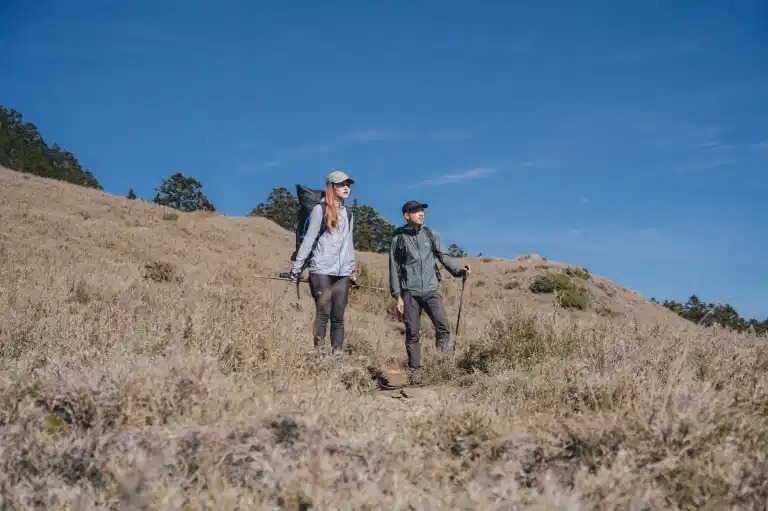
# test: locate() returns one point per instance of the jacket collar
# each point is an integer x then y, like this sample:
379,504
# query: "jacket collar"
411,229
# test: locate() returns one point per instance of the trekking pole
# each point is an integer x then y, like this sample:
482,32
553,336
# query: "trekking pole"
285,277
461,303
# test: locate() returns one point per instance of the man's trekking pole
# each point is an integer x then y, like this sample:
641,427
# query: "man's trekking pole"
461,302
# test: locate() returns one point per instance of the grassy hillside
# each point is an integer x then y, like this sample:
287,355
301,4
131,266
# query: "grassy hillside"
144,365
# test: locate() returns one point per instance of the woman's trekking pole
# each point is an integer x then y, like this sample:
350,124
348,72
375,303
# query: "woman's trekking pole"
461,302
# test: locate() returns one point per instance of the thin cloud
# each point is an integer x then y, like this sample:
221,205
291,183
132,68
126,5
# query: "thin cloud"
672,50
144,36
485,43
689,136
320,147
342,141
450,135
369,135
714,164
357,137
714,145
461,177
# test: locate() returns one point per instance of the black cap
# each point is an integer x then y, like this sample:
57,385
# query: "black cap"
412,204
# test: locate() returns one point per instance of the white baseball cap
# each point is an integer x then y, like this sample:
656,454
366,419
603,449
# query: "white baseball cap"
337,177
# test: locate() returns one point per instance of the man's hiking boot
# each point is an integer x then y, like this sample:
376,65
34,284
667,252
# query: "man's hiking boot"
327,352
416,377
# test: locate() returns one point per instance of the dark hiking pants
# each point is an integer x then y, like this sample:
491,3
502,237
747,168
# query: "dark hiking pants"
330,293
433,304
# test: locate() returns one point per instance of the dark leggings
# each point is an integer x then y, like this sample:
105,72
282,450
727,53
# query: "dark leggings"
330,293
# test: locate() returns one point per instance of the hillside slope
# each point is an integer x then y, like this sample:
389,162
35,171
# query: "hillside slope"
126,235
143,364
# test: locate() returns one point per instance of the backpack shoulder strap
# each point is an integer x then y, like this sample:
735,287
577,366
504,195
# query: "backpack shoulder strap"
399,240
431,237
323,223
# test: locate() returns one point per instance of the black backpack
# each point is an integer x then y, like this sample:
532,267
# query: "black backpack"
400,250
308,199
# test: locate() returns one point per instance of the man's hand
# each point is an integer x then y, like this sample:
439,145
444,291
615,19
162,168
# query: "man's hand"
353,278
293,276
400,304
466,271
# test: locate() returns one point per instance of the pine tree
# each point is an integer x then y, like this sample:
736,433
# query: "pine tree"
455,251
281,207
372,233
183,193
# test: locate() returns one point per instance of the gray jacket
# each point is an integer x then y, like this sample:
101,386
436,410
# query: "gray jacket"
334,253
414,271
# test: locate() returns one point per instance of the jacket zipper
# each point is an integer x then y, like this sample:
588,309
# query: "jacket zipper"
341,248
421,259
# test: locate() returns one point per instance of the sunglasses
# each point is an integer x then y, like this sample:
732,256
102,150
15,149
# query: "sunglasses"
342,185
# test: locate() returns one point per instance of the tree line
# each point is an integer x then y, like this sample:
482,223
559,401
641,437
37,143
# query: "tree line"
709,314
23,148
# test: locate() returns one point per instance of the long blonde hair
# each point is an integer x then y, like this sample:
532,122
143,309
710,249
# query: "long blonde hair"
332,209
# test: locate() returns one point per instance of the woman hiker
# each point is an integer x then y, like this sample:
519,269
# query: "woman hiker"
329,245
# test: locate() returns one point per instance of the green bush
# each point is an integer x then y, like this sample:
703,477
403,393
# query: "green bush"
512,341
550,283
573,298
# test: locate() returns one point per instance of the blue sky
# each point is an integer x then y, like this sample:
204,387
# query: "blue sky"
627,137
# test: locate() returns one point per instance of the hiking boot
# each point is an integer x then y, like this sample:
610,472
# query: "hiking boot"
415,376
443,353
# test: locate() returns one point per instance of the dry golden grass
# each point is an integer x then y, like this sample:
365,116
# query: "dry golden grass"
144,366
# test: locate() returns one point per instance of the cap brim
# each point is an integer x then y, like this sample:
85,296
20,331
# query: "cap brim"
417,206
351,181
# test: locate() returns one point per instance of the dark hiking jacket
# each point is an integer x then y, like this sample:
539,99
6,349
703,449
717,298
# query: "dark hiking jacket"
413,261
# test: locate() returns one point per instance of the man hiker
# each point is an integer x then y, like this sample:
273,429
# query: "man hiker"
414,278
